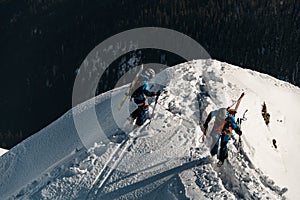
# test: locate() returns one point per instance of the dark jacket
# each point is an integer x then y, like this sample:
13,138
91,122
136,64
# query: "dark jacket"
139,95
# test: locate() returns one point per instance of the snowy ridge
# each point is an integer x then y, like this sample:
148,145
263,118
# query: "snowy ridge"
166,160
2,151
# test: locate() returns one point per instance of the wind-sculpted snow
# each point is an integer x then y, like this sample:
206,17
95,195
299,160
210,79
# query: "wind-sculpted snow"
167,160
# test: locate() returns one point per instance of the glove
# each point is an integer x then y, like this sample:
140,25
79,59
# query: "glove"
239,132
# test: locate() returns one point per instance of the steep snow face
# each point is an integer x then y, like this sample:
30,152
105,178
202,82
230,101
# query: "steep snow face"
166,159
282,100
283,105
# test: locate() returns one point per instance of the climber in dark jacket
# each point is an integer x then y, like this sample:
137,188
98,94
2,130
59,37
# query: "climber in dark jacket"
140,97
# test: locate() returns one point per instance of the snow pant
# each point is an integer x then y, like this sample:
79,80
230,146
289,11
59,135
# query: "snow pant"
140,114
224,150
223,153
215,144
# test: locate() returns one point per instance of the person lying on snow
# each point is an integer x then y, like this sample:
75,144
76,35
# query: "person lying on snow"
139,97
222,129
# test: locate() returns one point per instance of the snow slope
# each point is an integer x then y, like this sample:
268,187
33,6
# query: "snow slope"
166,160
2,151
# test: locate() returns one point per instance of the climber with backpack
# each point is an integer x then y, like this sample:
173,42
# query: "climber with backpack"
224,124
229,125
219,116
140,95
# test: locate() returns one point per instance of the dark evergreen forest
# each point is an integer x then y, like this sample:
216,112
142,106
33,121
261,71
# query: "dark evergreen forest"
43,43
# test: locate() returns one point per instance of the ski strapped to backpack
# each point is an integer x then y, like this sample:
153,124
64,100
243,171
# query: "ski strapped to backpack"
234,110
237,102
132,85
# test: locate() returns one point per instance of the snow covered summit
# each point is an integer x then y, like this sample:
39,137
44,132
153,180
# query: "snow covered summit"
166,160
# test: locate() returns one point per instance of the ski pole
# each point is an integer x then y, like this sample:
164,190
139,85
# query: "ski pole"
239,144
156,99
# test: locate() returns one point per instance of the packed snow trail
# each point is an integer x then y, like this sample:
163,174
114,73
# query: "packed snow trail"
168,158
110,165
